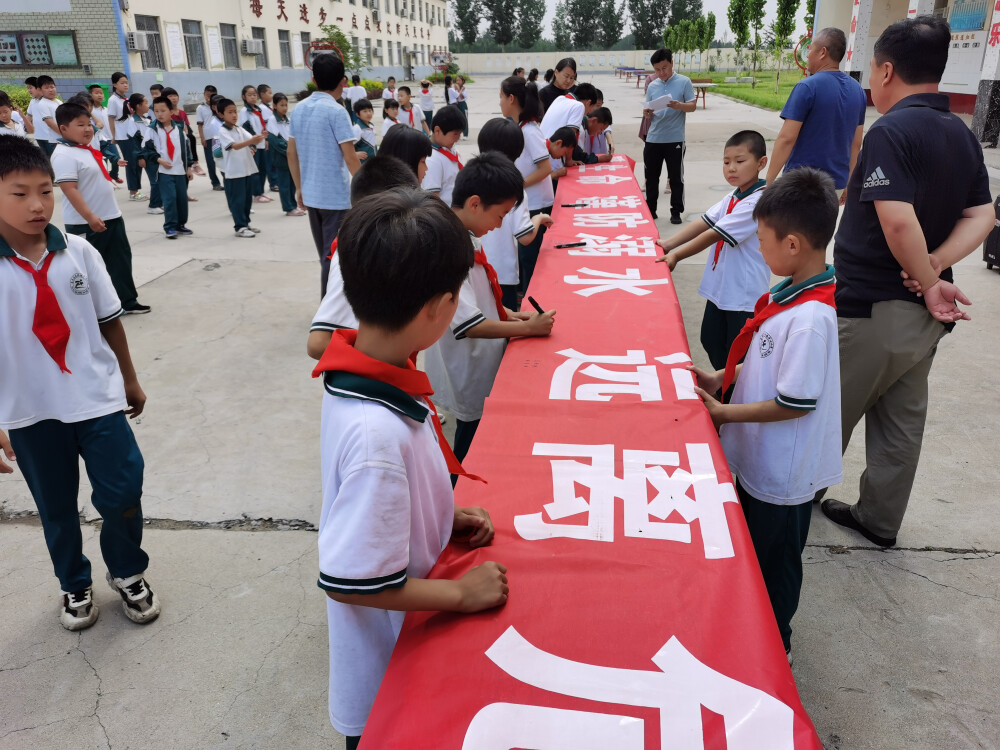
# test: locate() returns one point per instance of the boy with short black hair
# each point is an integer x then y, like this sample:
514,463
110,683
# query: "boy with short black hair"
46,129
464,363
410,114
735,272
561,144
203,117
8,126
444,165
388,510
237,147
155,90
596,140
66,385
89,207
174,173
389,92
781,429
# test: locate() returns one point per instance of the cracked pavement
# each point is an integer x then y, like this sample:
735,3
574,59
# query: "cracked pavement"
893,649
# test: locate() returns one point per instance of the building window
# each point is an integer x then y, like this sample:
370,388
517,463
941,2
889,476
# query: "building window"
285,48
380,60
152,58
306,41
399,53
397,12
230,46
194,45
259,33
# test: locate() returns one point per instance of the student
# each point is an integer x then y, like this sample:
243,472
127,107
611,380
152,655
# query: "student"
390,115
265,98
238,164
31,83
389,92
518,73
212,127
378,174
180,116
735,272
278,137
16,115
156,90
519,227
781,429
356,92
550,74
254,120
561,145
388,511
143,138
411,147
460,98
570,109
533,75
364,130
66,385
83,99
203,116
596,140
122,128
449,91
8,126
99,113
463,364
46,130
519,101
409,114
89,207
172,147
426,100
444,165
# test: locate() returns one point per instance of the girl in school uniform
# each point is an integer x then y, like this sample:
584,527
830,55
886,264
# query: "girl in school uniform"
277,146
364,131
462,100
144,148
390,115
520,102
254,120
427,101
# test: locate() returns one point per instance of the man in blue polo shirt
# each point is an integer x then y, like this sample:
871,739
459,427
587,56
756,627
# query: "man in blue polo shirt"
322,171
665,139
918,202
824,116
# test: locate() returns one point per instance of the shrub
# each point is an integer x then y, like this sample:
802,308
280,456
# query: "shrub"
438,77
19,95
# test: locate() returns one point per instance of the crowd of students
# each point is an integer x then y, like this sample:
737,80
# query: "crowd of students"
433,256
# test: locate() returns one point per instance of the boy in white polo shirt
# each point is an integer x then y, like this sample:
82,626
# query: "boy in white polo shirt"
88,203
464,363
66,385
444,165
46,130
388,510
781,430
238,166
173,157
735,272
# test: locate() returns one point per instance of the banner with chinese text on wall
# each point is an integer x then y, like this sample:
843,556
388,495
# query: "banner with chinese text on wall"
637,617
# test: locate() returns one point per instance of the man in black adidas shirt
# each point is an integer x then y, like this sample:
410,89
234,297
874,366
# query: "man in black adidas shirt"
917,203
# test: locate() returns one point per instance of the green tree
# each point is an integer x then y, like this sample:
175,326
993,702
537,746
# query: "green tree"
354,60
684,10
649,20
755,17
562,26
468,14
783,26
610,23
501,15
739,23
530,14
585,14
810,18
709,36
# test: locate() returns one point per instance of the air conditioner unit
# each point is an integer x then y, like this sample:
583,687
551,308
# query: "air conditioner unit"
253,46
377,52
137,41
403,9
376,15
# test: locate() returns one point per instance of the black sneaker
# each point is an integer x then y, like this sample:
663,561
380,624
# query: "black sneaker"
217,188
136,309
675,218
840,514
184,231
77,610
138,600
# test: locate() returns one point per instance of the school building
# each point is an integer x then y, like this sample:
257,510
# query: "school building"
190,43
972,78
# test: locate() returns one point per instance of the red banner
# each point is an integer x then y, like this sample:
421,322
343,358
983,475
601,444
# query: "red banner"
637,615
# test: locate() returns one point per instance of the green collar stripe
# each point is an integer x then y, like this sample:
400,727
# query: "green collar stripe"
349,385
54,241
786,291
759,185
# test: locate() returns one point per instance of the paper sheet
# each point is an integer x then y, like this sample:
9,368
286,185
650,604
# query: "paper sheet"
659,103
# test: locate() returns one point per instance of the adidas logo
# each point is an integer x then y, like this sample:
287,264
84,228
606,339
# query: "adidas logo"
876,179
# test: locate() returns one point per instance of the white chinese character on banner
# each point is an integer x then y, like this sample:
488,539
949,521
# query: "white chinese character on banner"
607,281
640,380
609,220
612,201
602,179
623,244
642,470
678,688
605,167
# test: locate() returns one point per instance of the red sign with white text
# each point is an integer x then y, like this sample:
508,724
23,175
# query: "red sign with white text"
637,617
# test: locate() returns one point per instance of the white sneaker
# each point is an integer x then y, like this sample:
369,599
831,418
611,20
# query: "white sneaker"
245,232
255,230
152,210
77,609
138,600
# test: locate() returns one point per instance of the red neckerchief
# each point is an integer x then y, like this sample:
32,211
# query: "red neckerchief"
98,157
342,356
49,324
762,311
170,143
447,154
491,274
410,113
260,116
424,91
333,247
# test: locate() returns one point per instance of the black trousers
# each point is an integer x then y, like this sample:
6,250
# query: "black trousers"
352,742
324,224
719,329
115,250
653,156
779,536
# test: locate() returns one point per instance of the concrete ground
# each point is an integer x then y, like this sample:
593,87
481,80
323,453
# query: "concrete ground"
892,649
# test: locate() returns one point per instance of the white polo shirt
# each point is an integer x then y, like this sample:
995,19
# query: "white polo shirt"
427,100
417,115
72,164
45,108
564,111
387,124
246,116
116,105
741,275
334,310
541,194
388,513
13,128
387,94
793,359
32,387
441,174
176,135
356,94
202,115
462,370
236,163
500,244
101,113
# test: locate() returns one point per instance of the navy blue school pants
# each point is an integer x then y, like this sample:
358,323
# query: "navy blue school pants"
272,170
286,189
527,255
153,173
174,192
133,172
257,180
48,454
210,163
239,198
